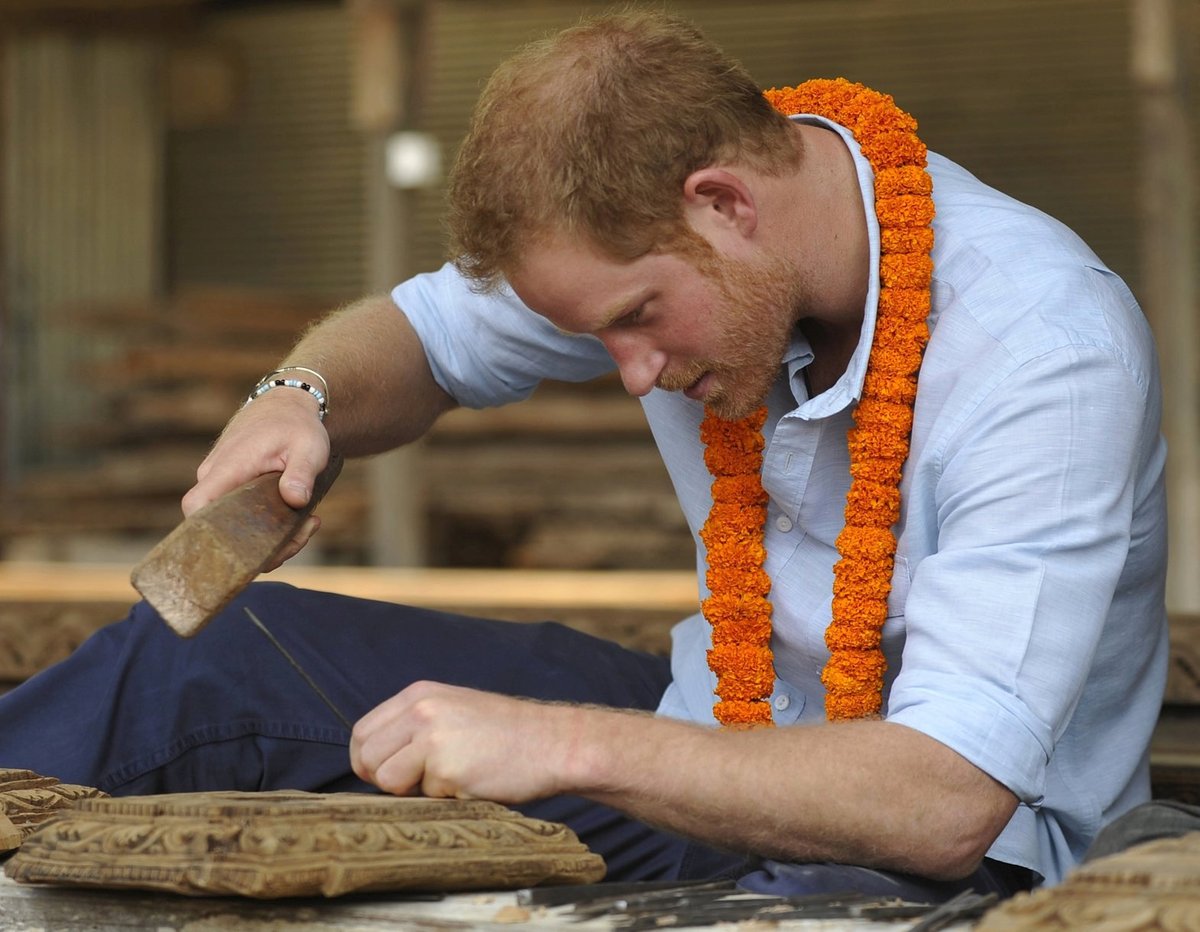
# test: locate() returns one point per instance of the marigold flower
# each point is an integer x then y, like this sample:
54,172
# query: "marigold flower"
871,613
737,715
875,445
904,211
724,462
739,490
866,543
753,628
853,637
902,240
738,579
874,573
746,671
902,179
899,389
891,150
742,557
866,588
904,303
872,503
855,669
842,706
875,412
886,471
905,270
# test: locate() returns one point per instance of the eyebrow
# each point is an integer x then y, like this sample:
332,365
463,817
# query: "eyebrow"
616,311
622,308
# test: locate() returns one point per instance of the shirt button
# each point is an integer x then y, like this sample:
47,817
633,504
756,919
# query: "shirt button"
782,702
783,523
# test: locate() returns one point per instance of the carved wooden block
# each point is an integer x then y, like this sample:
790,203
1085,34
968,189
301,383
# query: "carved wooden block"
28,799
1151,886
279,844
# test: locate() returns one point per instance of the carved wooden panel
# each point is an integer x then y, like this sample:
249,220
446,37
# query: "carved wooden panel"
28,799
287,843
34,635
1150,886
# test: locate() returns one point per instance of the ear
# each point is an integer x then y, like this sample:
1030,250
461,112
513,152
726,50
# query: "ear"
717,201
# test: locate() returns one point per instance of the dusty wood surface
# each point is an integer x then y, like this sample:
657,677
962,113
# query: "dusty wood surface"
35,909
1150,886
286,843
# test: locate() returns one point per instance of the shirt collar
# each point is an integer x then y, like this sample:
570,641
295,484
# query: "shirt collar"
848,388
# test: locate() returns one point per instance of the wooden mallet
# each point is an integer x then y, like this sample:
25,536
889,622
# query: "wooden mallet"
215,552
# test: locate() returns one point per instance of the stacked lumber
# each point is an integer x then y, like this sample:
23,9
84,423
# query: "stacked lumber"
166,378
569,479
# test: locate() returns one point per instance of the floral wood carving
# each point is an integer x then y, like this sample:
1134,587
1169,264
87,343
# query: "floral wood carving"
1148,887
28,799
279,844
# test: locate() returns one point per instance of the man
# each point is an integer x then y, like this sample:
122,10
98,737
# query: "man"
628,183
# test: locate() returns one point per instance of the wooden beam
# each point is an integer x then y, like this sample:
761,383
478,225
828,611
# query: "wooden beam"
545,590
388,46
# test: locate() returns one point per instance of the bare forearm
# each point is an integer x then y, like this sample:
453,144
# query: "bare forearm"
381,394
382,391
868,793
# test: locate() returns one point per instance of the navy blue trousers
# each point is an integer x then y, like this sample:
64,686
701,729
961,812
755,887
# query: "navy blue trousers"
137,709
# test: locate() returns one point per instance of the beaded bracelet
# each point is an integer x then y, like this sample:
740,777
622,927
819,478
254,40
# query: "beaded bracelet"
271,381
313,372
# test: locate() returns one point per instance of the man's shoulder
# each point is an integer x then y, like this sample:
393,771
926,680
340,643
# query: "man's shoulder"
971,215
1025,281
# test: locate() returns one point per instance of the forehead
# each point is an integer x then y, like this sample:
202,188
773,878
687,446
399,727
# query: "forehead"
572,282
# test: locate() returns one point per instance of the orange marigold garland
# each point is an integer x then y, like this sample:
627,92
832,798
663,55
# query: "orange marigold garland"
738,608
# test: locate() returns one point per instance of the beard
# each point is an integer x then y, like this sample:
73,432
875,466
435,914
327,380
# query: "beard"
762,304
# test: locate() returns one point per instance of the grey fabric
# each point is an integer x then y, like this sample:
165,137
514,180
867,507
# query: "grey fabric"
1159,818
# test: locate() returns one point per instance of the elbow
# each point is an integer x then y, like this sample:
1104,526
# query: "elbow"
949,859
954,846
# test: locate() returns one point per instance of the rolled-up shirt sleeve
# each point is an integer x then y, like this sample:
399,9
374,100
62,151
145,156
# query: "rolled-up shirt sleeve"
488,349
1034,495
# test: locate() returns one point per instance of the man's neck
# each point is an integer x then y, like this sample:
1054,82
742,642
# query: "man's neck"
832,348
827,227
829,232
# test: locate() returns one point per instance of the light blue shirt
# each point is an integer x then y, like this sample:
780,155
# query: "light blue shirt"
1027,623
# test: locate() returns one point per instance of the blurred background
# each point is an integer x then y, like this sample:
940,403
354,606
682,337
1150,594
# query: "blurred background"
186,184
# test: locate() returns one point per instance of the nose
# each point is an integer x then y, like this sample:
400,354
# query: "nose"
640,365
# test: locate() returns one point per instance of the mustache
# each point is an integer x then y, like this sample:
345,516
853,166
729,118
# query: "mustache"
682,378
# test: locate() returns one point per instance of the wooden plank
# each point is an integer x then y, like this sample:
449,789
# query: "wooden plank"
529,589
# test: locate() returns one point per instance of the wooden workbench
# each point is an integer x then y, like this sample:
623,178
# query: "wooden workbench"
49,909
